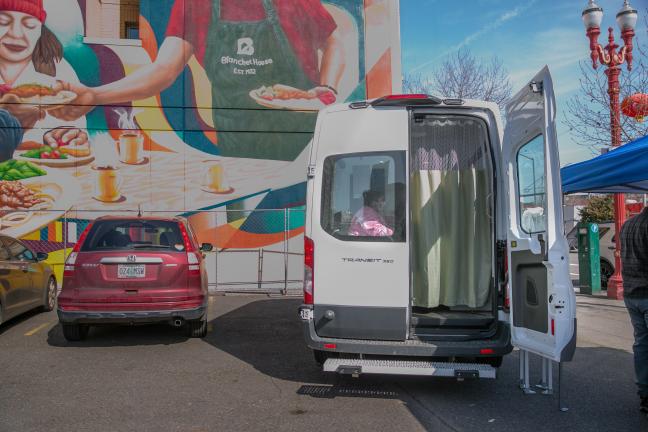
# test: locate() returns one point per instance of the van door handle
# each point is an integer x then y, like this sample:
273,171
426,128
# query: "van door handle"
611,247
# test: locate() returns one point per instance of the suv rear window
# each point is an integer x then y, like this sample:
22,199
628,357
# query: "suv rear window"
132,234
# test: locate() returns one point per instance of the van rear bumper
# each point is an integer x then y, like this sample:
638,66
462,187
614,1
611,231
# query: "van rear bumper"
116,317
497,345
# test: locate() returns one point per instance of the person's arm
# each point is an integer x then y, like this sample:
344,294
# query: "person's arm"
147,81
331,69
332,66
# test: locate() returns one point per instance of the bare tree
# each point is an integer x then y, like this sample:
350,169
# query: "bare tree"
416,83
587,113
463,76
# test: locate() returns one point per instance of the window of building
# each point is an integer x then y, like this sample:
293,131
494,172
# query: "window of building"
112,19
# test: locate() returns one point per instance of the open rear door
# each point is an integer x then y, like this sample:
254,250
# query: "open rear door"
543,304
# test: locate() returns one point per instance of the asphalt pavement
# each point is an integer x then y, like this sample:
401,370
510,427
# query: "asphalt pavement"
253,372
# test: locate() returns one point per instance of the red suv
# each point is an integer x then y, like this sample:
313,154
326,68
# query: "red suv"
135,270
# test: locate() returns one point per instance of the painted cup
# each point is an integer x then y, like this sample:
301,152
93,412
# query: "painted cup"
108,184
131,147
214,176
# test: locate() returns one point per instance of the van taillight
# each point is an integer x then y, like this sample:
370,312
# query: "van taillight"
68,269
309,264
192,254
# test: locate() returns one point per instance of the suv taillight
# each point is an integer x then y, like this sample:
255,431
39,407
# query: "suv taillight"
68,269
192,255
309,264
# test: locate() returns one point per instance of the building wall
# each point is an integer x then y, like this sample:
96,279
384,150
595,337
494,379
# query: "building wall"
183,147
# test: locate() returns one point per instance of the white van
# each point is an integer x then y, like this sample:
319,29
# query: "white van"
422,221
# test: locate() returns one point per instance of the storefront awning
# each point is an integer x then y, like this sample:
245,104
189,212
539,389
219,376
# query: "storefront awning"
624,169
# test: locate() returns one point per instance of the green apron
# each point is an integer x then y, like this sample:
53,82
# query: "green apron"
243,56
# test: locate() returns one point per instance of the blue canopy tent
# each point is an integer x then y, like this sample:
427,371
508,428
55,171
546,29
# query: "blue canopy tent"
623,170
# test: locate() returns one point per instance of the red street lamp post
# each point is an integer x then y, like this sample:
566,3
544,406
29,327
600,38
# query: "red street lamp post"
613,59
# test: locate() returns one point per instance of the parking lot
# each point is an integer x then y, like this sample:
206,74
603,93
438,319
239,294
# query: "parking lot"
253,372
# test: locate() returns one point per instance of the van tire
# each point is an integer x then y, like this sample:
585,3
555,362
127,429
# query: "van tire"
495,361
607,270
75,332
320,356
197,328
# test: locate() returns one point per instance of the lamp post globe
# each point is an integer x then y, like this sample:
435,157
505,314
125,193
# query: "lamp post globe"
627,17
592,15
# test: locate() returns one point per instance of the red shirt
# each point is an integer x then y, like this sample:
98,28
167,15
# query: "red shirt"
307,25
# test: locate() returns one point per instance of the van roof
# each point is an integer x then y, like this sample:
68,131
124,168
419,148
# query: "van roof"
415,100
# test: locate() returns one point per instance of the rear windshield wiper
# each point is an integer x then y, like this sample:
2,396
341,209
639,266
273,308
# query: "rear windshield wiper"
147,246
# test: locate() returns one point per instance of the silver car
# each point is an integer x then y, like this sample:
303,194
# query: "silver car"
26,281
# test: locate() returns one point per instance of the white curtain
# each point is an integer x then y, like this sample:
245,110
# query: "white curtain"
451,201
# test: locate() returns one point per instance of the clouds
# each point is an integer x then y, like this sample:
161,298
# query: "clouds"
493,25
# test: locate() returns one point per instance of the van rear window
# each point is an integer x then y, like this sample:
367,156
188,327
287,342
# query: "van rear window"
134,234
364,197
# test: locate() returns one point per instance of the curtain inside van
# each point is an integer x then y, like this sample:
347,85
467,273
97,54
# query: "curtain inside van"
450,201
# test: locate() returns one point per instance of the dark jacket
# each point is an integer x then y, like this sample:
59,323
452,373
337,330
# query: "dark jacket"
634,256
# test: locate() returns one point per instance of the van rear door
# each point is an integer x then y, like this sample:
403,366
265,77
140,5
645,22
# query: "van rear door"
358,224
543,303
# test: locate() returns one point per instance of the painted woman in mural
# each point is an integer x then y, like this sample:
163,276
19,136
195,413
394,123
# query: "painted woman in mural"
264,48
29,54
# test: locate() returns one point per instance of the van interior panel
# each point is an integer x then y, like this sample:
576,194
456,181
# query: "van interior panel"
451,220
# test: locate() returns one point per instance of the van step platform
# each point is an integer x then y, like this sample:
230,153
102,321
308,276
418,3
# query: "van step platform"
346,366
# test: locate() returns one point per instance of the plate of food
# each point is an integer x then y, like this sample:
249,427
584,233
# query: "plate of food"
37,94
64,147
286,97
28,205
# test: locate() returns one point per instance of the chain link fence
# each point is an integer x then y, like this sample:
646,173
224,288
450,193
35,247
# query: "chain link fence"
255,251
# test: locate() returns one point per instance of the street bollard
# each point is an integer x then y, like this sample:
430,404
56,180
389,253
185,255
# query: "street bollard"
589,260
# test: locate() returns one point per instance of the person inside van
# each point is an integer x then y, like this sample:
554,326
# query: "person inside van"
368,221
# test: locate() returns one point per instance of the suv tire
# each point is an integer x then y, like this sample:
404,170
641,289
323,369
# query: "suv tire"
197,328
75,332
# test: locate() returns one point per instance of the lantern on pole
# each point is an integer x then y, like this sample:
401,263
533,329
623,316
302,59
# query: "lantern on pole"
635,106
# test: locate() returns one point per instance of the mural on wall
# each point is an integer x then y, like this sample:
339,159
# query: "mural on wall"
213,109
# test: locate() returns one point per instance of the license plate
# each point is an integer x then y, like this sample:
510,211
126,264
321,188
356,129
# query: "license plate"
131,271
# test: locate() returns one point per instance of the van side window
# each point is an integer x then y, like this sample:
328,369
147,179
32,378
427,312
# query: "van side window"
364,196
531,186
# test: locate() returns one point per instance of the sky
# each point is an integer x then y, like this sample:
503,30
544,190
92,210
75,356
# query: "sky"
525,35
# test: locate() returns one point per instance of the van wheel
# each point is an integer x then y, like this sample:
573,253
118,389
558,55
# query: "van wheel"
606,273
197,328
495,361
320,356
50,295
75,332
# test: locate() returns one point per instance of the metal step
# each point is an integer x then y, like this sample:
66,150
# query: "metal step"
409,367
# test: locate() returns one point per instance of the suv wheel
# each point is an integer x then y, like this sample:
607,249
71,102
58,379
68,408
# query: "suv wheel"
197,328
50,295
75,332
